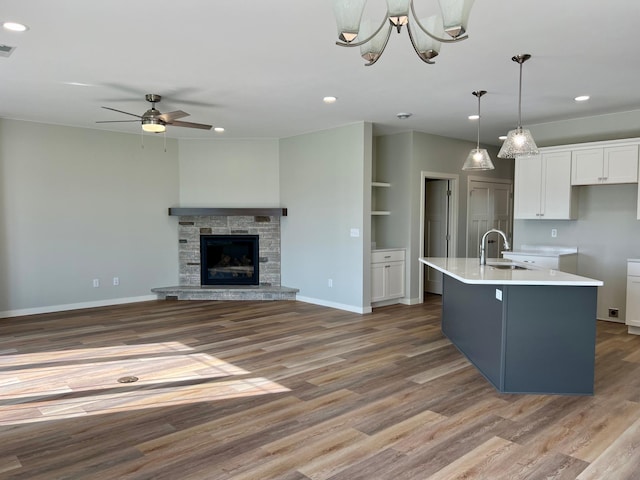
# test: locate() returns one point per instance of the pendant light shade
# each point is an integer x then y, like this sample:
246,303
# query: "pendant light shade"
519,142
478,158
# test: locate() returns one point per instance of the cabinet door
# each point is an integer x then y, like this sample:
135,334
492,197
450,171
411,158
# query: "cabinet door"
633,301
395,279
558,200
587,166
527,187
378,282
621,164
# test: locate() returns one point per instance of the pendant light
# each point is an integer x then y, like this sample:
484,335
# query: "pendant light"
478,158
519,142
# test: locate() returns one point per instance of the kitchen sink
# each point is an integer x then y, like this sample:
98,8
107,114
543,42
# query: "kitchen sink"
509,267
506,266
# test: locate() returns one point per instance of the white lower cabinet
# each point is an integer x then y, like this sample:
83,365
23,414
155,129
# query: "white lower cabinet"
563,262
387,274
632,318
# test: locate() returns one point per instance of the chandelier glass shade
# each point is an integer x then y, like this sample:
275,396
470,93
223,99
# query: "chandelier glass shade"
426,34
478,158
519,141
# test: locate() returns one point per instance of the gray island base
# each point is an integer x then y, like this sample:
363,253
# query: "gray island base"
524,333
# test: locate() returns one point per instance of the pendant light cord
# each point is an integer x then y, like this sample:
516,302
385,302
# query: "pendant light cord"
520,98
478,144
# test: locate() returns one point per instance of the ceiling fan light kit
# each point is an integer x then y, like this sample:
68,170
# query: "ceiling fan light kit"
153,121
425,34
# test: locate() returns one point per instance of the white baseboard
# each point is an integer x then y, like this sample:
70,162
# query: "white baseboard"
75,306
339,306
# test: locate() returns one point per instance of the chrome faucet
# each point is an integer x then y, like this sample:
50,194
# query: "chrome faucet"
483,259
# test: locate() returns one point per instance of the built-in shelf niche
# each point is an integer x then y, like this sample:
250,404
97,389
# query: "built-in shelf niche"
382,185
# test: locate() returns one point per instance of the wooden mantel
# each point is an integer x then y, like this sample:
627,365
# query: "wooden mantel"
225,212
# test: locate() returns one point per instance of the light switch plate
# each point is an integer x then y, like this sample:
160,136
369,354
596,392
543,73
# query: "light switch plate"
498,294
355,232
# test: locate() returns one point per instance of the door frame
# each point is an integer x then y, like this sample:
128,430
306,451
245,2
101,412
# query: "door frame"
454,180
471,179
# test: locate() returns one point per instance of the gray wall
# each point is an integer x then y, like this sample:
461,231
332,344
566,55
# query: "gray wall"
606,233
324,179
78,204
229,173
400,160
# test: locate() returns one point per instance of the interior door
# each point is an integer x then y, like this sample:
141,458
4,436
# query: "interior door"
436,229
489,206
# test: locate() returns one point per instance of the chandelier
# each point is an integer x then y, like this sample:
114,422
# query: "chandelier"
425,34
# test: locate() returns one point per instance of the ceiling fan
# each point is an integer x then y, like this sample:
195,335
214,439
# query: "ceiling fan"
154,121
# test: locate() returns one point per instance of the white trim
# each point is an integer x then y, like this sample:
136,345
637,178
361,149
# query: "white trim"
587,145
453,220
339,306
75,306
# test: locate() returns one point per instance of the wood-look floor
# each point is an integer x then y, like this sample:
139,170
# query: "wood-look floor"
291,391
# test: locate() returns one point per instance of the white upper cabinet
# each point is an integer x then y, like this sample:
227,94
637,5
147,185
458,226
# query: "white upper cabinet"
542,189
605,165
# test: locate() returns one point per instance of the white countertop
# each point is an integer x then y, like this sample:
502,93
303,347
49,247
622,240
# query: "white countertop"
543,251
469,270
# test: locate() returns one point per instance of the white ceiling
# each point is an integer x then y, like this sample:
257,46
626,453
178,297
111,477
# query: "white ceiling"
260,68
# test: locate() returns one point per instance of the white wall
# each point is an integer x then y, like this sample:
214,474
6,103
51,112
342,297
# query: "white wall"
78,204
229,173
323,180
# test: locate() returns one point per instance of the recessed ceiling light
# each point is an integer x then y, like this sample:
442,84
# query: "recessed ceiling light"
329,99
15,26
582,98
403,115
474,117
219,129
502,137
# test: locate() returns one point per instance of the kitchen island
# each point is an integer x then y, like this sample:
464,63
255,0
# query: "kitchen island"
527,330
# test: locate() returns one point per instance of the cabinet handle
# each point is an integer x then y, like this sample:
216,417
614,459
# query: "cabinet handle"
387,266
387,256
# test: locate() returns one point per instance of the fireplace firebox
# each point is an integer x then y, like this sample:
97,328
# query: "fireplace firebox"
229,260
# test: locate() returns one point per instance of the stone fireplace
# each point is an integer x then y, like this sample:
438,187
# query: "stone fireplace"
192,228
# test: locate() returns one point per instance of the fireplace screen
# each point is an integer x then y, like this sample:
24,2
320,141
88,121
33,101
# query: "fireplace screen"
229,259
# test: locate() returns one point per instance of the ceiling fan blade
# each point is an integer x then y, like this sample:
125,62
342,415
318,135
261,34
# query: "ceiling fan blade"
120,111
170,116
116,121
202,126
